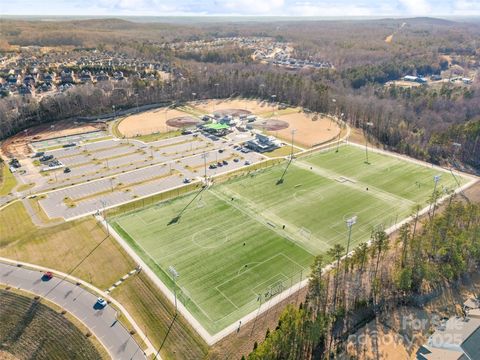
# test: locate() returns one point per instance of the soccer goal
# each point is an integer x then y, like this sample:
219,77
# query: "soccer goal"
304,232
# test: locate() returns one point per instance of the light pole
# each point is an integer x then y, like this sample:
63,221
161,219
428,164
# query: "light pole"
365,133
136,97
113,108
293,136
204,157
175,275
104,204
339,133
335,112
436,179
350,222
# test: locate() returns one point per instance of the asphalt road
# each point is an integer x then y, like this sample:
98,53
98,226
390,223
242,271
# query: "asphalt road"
79,302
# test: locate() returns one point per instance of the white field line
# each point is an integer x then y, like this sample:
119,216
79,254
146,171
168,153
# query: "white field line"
156,280
150,347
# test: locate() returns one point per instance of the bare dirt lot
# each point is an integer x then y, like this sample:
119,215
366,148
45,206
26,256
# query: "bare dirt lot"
151,121
17,145
311,129
256,107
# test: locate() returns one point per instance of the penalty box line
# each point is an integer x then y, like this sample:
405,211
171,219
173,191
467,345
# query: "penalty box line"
156,263
252,268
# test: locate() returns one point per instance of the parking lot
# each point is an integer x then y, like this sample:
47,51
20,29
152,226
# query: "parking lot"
111,172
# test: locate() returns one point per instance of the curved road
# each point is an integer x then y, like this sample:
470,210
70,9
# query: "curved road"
80,303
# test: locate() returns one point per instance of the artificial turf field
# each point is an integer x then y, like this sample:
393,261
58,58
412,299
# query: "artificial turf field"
230,246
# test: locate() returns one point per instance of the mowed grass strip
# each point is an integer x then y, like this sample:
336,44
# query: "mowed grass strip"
403,178
224,257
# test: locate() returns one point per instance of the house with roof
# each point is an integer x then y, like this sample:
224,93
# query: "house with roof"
458,338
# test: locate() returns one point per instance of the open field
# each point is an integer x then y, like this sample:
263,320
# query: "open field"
151,121
17,145
62,247
248,239
255,107
311,129
33,330
7,180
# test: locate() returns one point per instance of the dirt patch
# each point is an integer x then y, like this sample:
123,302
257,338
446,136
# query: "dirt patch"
182,121
271,125
311,129
231,112
151,121
253,106
17,145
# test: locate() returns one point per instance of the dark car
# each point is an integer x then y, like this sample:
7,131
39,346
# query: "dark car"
213,166
236,160
225,162
219,164
66,170
47,276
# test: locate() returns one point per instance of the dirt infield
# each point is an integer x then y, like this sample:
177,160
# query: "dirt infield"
311,129
151,121
17,145
231,112
182,121
252,106
271,125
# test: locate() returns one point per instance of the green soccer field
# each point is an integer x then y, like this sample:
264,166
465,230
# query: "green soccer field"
249,239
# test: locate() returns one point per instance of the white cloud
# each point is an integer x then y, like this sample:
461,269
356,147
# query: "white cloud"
417,7
260,7
466,8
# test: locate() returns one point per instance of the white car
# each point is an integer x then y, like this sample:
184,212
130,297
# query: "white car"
101,302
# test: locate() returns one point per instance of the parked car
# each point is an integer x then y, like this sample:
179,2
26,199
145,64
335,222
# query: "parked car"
220,151
186,181
236,160
247,162
225,162
213,166
66,170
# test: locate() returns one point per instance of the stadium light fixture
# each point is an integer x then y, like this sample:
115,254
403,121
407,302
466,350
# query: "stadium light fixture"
175,275
350,222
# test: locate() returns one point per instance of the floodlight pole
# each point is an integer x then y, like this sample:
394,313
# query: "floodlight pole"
293,136
175,275
436,179
350,222
104,204
204,156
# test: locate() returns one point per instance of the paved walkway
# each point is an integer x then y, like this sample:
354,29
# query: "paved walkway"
80,303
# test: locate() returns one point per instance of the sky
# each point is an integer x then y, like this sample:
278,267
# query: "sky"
323,8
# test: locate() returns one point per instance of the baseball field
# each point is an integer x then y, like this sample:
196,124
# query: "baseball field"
239,243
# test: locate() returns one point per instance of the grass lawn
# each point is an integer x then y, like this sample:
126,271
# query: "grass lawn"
63,246
158,136
249,236
7,180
